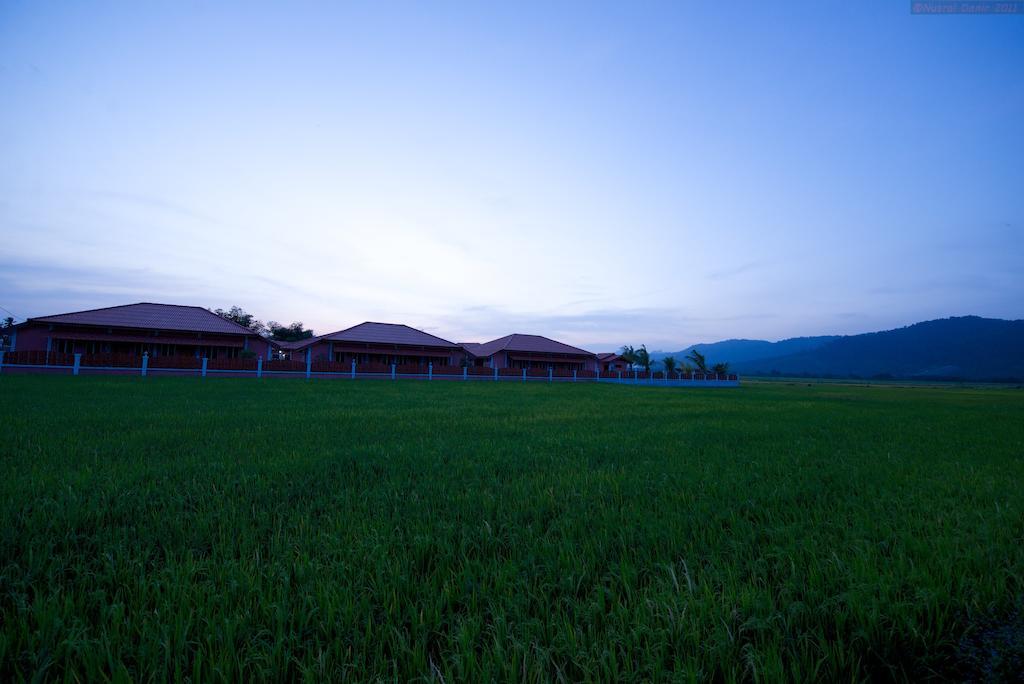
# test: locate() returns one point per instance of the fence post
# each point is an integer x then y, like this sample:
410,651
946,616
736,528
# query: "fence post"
78,364
392,371
1,361
309,365
650,375
549,373
495,374
636,375
430,371
620,376
353,369
574,375
259,366
145,364
465,370
205,360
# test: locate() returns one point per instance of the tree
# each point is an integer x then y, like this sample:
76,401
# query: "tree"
698,360
242,318
628,354
721,368
5,332
669,363
288,333
643,359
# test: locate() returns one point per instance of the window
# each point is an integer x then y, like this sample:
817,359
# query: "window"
63,346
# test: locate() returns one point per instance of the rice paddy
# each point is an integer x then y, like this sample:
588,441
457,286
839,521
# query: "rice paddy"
174,528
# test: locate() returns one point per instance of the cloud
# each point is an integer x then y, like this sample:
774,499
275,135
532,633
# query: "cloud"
148,202
598,328
727,273
33,288
953,282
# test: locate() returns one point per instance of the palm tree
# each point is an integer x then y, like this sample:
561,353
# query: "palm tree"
643,359
628,354
670,364
698,360
721,368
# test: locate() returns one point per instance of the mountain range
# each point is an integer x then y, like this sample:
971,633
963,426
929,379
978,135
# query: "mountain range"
960,348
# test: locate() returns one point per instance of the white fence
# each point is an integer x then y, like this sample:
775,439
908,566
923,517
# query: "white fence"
354,372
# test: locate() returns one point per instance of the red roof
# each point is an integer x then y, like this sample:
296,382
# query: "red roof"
607,356
294,344
381,333
150,316
524,343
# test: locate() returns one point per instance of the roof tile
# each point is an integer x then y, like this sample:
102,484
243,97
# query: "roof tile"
524,343
388,333
147,315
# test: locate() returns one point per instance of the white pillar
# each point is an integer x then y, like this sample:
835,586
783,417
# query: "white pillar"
392,371
465,372
574,375
205,360
430,371
309,365
259,367
145,363
353,369
1,361
78,364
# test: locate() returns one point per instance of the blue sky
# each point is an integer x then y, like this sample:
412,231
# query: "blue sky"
600,173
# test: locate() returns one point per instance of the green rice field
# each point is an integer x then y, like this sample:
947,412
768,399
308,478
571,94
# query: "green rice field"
176,528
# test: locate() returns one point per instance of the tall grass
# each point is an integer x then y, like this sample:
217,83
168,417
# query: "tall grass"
472,531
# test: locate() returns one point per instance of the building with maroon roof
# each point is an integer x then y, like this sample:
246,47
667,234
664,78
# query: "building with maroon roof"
378,343
136,329
530,351
610,362
294,349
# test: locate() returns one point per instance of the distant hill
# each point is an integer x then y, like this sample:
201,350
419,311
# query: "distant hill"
967,348
735,351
